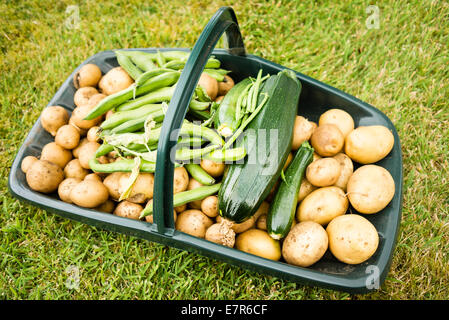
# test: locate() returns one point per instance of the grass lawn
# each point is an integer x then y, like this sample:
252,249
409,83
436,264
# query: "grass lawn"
402,68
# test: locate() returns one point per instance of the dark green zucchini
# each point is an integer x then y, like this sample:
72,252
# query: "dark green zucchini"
283,207
247,184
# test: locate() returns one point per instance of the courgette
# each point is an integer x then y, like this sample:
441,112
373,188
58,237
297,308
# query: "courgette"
247,184
283,207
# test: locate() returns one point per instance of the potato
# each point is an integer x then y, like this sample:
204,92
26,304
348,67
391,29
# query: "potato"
221,234
224,86
302,131
26,163
67,137
263,209
108,206
209,84
82,132
87,76
323,205
181,208
54,153
346,170
54,117
149,218
73,169
76,150
92,134
193,184
209,206
89,194
193,222
261,223
352,238
288,161
112,183
259,243
240,227
369,144
78,115
305,244
44,176
95,99
370,189
115,80
215,169
65,187
142,189
82,95
323,172
128,210
87,152
327,140
305,189
180,180
340,118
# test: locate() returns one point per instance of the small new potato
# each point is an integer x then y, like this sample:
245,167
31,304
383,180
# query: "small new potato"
67,137
302,131
215,169
323,172
327,140
305,244
193,222
149,218
342,119
127,209
65,187
370,188
353,239
115,80
142,189
323,205
259,243
89,194
221,234
82,95
54,153
76,150
87,152
26,163
78,115
242,226
73,169
193,184
209,84
209,206
87,76
112,183
108,206
225,85
54,117
180,179
305,189
347,168
369,144
92,134
44,176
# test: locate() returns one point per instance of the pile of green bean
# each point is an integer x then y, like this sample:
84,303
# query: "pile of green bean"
133,128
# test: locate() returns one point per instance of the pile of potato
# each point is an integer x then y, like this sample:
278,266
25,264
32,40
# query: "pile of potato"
332,200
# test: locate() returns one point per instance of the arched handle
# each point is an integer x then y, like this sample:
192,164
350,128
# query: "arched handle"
223,20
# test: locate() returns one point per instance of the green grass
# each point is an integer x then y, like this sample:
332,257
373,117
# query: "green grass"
401,68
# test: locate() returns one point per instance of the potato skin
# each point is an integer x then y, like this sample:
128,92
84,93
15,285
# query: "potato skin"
128,209
323,172
305,244
44,176
215,169
87,75
87,152
26,163
209,84
193,222
346,170
89,194
323,205
305,189
73,169
352,238
55,153
54,117
67,137
180,180
327,140
369,144
342,119
302,131
142,189
115,80
259,243
82,95
370,189
65,187
209,206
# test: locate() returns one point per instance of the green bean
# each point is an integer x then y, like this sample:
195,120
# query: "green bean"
187,154
199,105
200,115
138,123
217,74
150,74
116,99
103,150
184,197
123,165
126,63
204,132
226,155
160,58
199,174
123,116
140,59
159,95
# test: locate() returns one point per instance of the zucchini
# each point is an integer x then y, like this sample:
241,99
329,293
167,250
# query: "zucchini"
283,207
247,184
